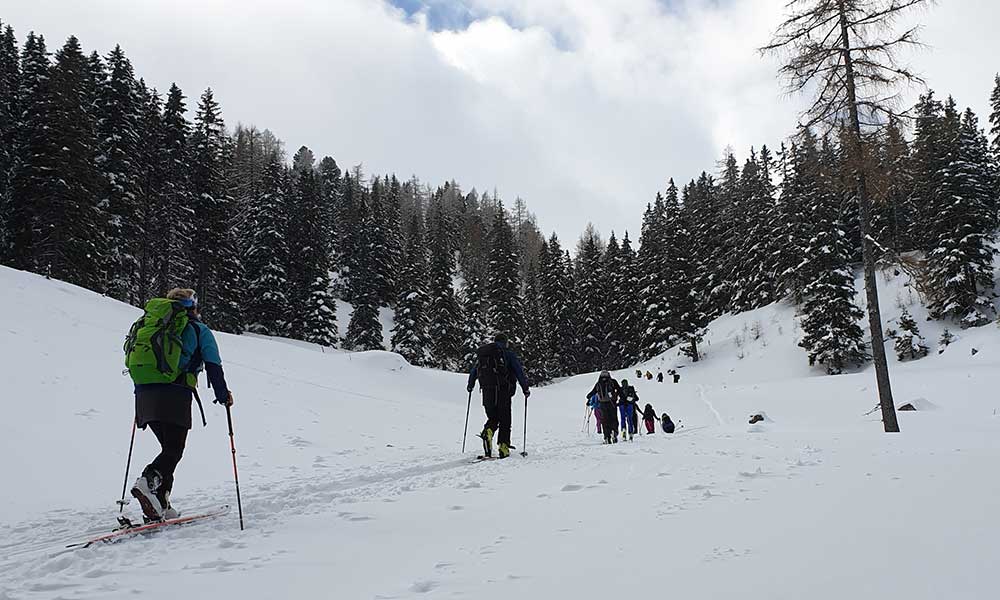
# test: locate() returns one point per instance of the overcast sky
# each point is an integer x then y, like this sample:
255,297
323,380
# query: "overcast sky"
582,107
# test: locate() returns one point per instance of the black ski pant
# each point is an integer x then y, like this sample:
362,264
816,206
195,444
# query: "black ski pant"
172,438
610,419
497,404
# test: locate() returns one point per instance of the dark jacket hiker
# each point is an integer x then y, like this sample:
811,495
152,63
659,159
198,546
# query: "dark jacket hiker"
498,371
607,391
165,351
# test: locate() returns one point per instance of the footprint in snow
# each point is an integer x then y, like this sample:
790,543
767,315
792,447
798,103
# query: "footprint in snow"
422,587
571,487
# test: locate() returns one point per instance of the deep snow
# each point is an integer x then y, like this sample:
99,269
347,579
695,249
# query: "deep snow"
354,485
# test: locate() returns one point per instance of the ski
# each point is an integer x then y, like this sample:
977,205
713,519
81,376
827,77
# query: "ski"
482,458
137,530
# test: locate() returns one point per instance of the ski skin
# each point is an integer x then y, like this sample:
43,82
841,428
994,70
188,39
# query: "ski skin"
128,532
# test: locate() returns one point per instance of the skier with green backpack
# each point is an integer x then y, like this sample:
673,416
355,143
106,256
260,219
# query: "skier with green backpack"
165,351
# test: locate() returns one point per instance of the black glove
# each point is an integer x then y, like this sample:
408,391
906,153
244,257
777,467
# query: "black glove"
470,388
227,400
527,393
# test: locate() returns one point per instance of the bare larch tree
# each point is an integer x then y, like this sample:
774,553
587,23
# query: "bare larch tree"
847,51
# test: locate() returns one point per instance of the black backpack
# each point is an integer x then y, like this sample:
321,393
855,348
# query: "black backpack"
492,368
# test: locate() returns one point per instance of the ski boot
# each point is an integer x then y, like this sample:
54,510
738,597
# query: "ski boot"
503,450
144,491
487,436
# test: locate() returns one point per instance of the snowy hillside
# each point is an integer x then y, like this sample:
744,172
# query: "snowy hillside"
354,485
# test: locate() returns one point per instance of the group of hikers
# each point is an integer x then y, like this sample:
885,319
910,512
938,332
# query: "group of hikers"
659,375
169,346
608,397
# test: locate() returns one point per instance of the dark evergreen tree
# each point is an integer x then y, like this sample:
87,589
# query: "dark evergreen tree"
504,313
960,262
447,336
411,331
313,310
364,332
831,334
71,225
10,114
32,187
558,314
615,277
994,118
801,191
655,292
627,312
909,343
689,301
119,107
929,160
590,290
218,272
266,259
892,190
534,345
176,205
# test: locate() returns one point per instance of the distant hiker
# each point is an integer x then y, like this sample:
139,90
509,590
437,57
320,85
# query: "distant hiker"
649,376
676,375
649,418
628,407
659,377
638,374
607,389
666,423
756,418
499,371
594,403
166,376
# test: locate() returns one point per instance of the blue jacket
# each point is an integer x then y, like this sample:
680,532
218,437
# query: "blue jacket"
200,351
515,364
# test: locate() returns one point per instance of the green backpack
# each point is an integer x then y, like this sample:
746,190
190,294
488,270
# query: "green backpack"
153,346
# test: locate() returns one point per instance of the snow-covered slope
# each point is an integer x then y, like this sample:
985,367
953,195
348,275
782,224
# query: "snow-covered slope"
354,485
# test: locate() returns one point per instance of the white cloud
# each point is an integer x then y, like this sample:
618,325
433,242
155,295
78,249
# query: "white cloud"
582,107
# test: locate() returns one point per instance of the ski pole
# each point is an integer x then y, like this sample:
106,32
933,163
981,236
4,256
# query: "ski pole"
128,465
465,432
524,443
232,446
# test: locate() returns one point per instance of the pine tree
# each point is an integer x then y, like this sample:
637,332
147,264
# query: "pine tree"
313,311
909,343
176,200
504,311
615,277
364,332
71,225
10,75
689,301
267,307
150,184
218,271
831,334
590,287
960,262
655,292
447,340
627,315
995,118
929,160
558,314
534,345
893,207
118,130
800,191
410,333
32,188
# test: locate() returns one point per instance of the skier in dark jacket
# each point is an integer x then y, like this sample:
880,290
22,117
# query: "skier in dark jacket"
499,371
607,390
166,409
628,407
649,418
659,377
667,425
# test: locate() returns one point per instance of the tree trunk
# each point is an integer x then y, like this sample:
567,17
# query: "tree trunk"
867,247
694,349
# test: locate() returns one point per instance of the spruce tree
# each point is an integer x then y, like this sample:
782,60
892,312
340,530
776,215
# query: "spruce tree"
558,314
831,334
893,208
929,160
615,277
504,311
218,271
176,200
10,114
313,311
655,292
627,318
534,345
800,191
448,341
591,288
71,224
266,259
960,262
364,332
689,301
410,332
909,343
150,185
995,118
32,187
118,130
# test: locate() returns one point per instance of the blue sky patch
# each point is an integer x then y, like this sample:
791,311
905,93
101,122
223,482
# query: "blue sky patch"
441,15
